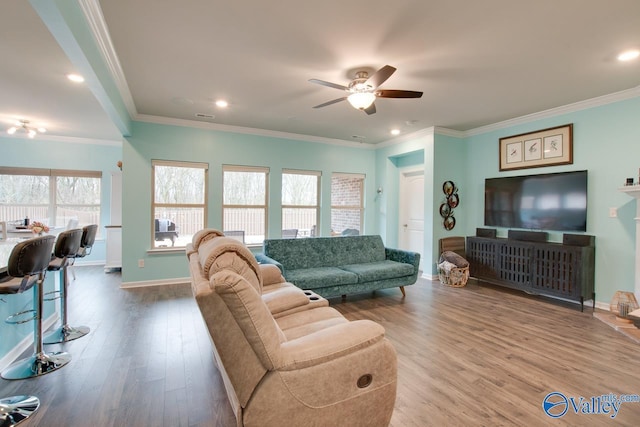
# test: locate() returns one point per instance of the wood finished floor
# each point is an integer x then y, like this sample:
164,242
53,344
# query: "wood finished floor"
473,356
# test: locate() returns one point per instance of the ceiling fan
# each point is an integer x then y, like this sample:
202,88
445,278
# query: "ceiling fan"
363,90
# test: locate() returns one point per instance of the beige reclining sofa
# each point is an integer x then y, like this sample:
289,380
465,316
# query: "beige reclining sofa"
285,356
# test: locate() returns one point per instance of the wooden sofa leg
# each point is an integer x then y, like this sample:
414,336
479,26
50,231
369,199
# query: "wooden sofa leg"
402,290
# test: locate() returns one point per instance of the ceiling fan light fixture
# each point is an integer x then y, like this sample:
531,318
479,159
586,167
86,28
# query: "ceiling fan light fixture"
24,125
361,100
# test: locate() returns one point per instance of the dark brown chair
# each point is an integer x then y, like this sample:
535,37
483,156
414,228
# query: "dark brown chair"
20,276
66,249
26,269
86,244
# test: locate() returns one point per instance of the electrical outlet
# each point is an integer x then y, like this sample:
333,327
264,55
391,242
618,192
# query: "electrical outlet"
141,263
613,212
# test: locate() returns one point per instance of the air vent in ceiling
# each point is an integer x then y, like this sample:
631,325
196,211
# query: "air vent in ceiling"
205,116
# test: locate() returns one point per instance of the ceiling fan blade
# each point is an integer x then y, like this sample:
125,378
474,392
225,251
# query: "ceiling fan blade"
371,109
380,76
391,93
329,84
333,101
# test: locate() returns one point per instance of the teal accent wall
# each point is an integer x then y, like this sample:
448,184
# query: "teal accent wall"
390,161
450,164
217,148
606,142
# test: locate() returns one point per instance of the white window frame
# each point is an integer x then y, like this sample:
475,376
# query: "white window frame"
154,205
360,206
318,176
265,207
53,174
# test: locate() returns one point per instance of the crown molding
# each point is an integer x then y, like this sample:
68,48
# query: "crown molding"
100,31
552,112
406,137
67,139
248,131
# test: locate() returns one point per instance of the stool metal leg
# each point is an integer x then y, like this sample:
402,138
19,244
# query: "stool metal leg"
65,332
39,363
15,409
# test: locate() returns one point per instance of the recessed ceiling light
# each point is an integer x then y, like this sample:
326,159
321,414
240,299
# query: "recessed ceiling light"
628,55
76,78
395,131
222,103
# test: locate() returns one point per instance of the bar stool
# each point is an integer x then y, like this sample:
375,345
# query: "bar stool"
67,246
27,262
27,266
86,243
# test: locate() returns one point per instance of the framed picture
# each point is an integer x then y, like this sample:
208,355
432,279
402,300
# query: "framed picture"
547,147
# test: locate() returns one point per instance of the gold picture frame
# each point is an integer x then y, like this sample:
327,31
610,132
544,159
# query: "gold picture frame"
546,147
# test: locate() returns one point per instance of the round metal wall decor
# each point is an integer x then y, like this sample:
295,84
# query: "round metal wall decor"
446,209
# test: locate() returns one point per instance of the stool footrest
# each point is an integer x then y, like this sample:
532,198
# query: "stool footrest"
66,333
10,320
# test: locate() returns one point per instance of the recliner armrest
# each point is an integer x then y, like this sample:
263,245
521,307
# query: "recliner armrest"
328,344
285,299
271,274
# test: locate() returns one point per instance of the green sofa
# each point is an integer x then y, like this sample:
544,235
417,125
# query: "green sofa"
332,266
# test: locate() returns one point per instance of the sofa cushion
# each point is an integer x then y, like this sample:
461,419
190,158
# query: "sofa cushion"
381,270
295,254
312,278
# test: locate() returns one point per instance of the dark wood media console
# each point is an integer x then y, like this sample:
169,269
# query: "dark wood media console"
524,262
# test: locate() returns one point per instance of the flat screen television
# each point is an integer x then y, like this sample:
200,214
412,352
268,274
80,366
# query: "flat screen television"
556,201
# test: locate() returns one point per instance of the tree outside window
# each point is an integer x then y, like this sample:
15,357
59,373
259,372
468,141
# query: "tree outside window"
179,202
244,204
54,197
300,203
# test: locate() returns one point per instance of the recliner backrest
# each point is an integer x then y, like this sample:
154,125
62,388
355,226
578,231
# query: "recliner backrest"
222,253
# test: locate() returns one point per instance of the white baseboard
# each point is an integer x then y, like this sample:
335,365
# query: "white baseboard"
27,342
162,282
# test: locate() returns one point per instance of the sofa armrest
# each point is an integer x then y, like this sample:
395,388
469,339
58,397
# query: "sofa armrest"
406,257
263,259
329,344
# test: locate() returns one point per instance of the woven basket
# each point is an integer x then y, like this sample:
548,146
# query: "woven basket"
457,278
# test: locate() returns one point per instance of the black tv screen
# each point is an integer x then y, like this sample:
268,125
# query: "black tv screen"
556,201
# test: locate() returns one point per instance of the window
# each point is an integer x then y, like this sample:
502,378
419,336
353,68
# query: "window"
244,203
179,202
53,196
300,203
347,203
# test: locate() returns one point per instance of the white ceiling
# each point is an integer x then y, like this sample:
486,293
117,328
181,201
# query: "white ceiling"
477,62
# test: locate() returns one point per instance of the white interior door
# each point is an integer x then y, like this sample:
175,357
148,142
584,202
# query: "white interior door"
411,212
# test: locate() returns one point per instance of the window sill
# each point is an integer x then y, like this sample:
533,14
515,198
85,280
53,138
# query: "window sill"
161,251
